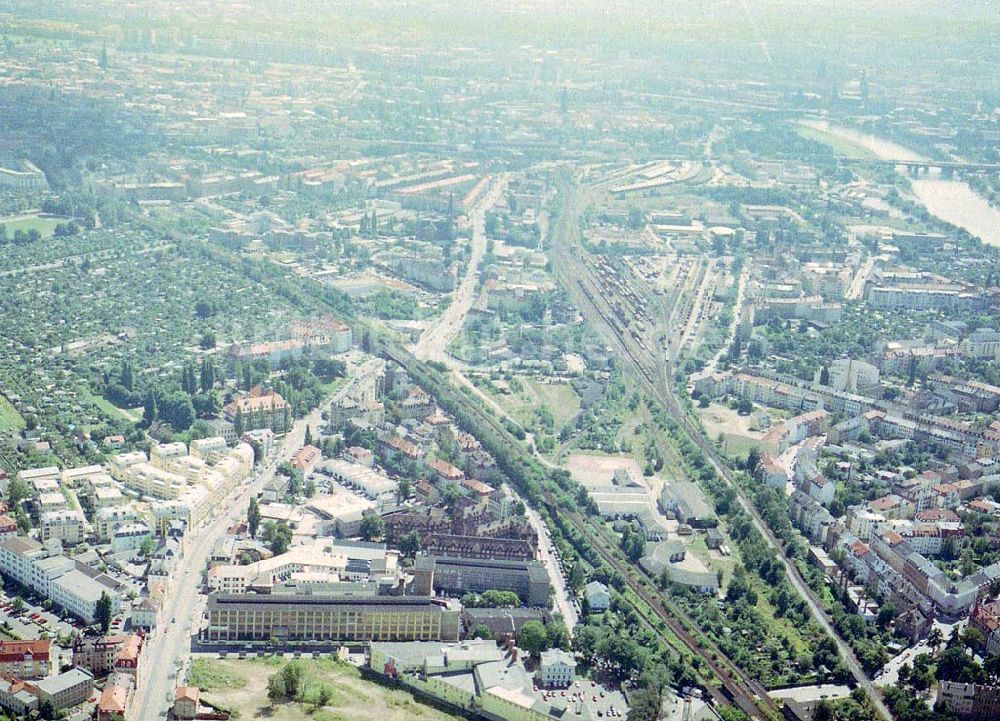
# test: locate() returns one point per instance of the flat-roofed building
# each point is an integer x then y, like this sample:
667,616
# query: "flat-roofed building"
64,525
301,618
108,520
78,593
75,477
211,450
457,576
17,696
67,689
367,480
106,497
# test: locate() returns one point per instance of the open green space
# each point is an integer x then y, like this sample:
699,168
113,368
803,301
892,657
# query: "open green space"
329,691
839,145
10,419
45,225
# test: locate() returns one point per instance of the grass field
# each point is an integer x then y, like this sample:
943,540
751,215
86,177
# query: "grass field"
10,419
839,145
560,399
241,686
109,408
44,225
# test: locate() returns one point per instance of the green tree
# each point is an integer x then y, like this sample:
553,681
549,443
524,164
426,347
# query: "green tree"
149,411
127,377
482,631
823,710
207,376
410,544
935,638
253,517
450,496
276,687
17,491
292,674
103,612
533,637
372,526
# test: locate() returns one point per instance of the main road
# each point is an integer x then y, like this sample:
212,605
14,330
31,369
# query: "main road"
433,342
169,645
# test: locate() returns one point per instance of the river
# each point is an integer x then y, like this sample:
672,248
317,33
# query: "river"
950,200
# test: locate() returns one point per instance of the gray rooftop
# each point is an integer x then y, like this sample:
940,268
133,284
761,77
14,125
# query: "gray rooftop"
64,681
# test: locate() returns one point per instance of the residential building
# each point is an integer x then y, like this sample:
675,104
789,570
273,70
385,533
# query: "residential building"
116,699
260,408
556,669
970,701
67,689
25,659
597,596
97,653
504,624
306,458
504,549
108,520
17,696
65,526
186,702
130,537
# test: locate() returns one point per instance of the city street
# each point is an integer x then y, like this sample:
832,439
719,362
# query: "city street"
561,593
169,646
434,341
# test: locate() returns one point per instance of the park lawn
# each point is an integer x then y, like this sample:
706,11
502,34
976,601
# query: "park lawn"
841,146
241,686
737,446
209,675
110,409
330,388
560,398
46,226
10,419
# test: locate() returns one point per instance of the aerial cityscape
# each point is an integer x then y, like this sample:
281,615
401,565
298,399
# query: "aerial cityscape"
504,360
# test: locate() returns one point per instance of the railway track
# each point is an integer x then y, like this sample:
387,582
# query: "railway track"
653,371
745,693
733,679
